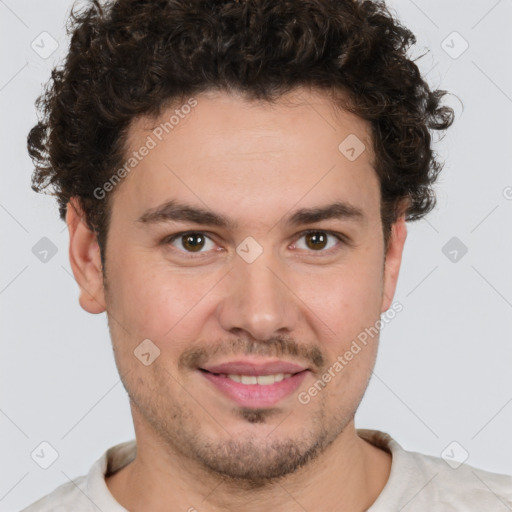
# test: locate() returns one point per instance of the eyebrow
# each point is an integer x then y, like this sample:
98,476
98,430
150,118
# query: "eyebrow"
175,211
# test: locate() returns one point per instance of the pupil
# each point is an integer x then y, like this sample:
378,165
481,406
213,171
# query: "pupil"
189,241
316,236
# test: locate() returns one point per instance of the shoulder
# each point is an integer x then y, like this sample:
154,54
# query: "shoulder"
68,496
89,492
463,487
423,482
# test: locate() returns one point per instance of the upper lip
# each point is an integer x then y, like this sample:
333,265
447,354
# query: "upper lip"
254,368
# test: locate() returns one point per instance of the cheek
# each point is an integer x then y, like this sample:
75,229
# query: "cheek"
351,309
154,301
349,298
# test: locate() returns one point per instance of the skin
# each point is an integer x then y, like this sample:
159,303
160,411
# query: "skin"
256,163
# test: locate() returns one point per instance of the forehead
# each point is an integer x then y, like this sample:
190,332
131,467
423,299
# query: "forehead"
226,151
301,113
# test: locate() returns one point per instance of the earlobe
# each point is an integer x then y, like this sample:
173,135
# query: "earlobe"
85,259
393,261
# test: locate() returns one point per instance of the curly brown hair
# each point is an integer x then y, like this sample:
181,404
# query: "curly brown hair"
131,58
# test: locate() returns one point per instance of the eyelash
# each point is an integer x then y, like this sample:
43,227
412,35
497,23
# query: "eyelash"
340,237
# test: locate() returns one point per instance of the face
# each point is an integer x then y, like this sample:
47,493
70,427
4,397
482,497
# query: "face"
219,254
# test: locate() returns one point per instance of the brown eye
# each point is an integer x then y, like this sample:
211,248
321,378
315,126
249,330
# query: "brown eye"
320,241
191,242
316,240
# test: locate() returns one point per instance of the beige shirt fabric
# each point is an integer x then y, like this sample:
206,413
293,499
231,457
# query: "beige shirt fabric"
418,482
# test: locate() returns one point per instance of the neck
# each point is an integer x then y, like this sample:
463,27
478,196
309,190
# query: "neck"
348,476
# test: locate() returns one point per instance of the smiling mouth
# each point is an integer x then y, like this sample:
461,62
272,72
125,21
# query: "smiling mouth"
256,391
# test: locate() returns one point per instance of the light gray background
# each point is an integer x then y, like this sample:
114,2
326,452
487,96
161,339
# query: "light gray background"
443,370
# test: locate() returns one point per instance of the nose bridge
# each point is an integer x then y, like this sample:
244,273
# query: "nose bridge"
258,299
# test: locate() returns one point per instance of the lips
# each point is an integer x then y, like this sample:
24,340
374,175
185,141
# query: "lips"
247,385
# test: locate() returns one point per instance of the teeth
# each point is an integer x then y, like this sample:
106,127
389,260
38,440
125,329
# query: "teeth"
262,380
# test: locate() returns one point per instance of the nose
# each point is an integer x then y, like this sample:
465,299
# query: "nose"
259,300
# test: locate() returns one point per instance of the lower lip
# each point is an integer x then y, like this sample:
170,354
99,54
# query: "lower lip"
256,395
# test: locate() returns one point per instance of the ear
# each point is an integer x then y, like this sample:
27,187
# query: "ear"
393,259
85,259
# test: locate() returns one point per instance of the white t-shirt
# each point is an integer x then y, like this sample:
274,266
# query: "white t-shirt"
417,482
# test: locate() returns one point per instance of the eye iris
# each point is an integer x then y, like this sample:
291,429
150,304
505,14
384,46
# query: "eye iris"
189,244
317,237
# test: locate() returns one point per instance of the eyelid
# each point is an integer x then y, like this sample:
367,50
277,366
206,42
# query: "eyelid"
343,239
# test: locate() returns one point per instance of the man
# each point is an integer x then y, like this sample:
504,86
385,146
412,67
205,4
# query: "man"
236,177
